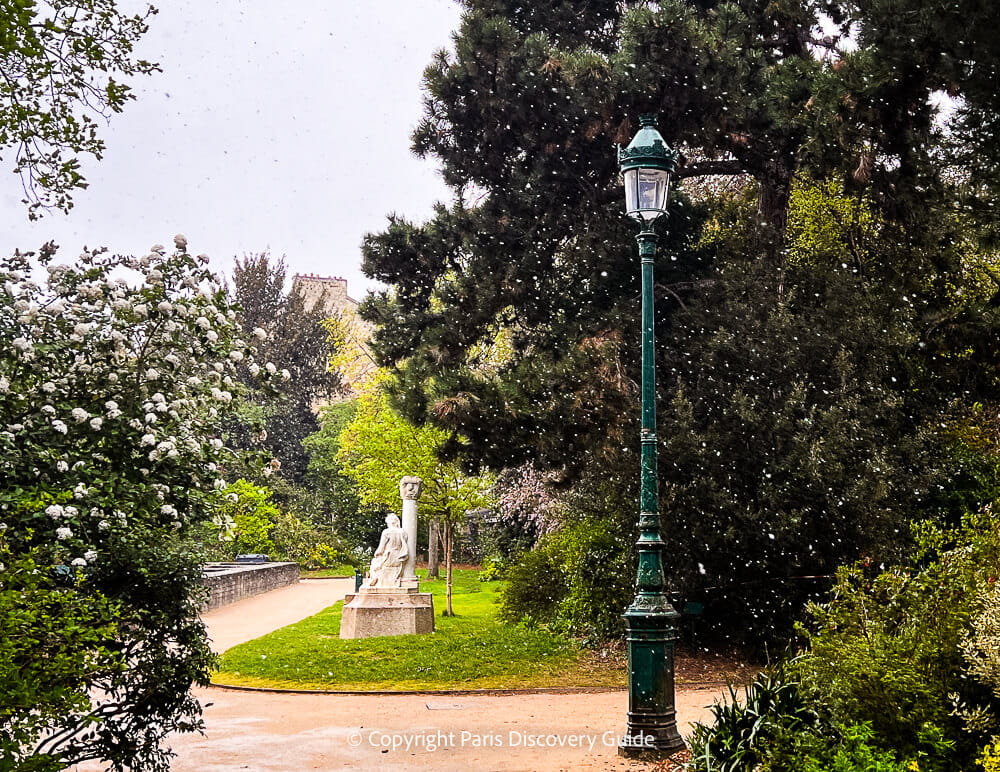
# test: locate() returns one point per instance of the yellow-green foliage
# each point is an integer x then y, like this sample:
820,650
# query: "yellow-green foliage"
824,224
249,513
990,760
494,350
348,338
895,649
379,446
827,226
250,522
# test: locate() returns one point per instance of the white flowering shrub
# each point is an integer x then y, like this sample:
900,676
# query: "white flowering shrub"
116,375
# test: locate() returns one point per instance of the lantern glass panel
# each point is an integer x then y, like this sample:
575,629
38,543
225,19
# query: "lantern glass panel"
646,192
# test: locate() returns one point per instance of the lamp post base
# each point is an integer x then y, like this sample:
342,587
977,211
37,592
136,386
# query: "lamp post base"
651,632
649,747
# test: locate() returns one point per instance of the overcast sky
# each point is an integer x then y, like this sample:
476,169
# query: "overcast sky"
273,126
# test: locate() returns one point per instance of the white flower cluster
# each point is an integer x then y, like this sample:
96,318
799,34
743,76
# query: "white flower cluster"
114,376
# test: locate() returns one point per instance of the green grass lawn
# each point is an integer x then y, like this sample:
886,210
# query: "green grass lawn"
473,650
326,573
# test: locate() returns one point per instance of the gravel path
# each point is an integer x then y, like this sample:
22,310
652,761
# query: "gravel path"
532,732
273,732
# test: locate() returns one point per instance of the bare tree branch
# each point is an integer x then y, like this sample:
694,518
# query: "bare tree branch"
705,168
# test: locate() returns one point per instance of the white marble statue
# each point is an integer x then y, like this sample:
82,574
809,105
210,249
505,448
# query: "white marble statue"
390,557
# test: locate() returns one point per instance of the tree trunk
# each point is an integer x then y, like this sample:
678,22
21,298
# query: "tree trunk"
433,540
448,533
773,198
774,192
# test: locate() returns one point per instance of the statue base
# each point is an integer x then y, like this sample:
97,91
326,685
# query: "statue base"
374,612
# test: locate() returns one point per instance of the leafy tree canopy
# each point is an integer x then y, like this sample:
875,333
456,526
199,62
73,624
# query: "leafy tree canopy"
826,302
64,66
379,447
523,115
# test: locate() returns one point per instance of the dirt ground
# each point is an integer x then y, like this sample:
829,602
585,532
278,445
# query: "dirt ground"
284,732
266,732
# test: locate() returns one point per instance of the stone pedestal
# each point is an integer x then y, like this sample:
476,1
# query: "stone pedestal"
373,612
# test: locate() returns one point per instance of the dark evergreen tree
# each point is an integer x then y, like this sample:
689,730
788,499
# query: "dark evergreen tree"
523,116
295,340
804,382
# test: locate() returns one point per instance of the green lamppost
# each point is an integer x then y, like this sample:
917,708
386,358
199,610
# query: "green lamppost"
650,627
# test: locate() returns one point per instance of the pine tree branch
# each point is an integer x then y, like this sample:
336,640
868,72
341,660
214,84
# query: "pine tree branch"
707,168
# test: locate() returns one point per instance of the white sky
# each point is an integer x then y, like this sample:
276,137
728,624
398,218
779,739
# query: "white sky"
277,126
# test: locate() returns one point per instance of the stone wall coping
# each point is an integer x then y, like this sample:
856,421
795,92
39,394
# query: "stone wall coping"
221,569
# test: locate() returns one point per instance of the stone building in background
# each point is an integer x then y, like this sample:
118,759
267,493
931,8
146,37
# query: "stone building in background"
351,334
328,291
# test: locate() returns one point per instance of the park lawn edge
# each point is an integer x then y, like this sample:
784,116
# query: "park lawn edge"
579,671
551,681
571,666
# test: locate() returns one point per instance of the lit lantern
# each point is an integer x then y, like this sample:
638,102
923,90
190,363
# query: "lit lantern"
646,167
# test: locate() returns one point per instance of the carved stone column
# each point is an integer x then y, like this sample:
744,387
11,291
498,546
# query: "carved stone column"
409,490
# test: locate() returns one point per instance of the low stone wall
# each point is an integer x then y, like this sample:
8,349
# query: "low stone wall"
230,582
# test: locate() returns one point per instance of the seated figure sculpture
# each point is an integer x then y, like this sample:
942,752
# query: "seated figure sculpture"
387,564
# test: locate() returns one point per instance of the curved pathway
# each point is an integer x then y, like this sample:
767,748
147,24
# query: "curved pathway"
258,615
268,732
